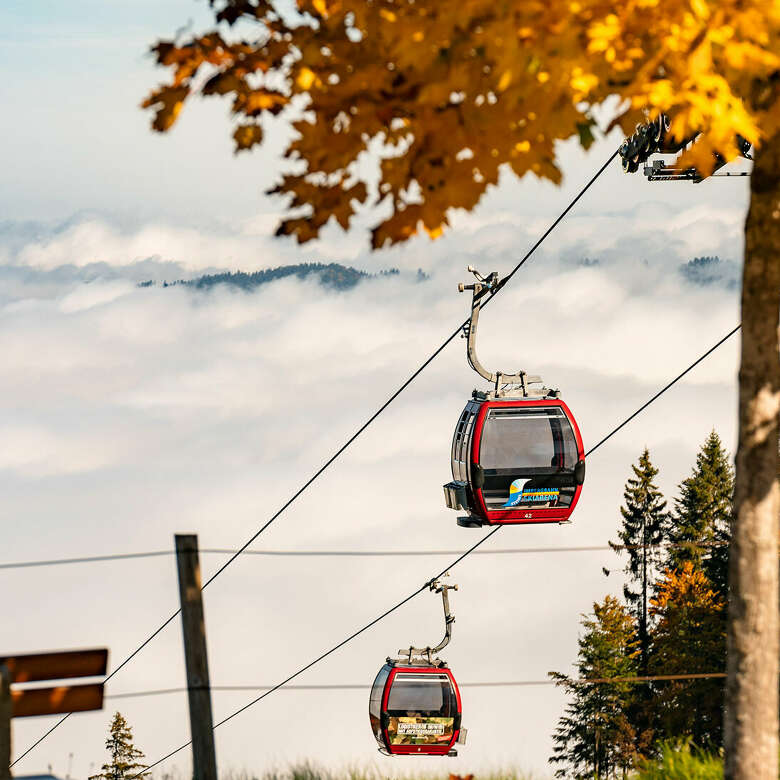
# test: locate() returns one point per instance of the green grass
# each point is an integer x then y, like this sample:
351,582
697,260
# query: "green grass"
394,771
678,761
681,762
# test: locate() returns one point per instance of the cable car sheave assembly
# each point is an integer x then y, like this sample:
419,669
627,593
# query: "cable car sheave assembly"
652,138
414,707
517,454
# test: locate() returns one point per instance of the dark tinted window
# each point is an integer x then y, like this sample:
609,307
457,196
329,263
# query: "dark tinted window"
457,444
426,694
375,699
375,702
528,438
461,442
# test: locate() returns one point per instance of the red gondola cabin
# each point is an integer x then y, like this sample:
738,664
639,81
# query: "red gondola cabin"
515,461
415,710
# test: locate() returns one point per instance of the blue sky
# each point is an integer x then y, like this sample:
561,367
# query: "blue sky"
74,75
129,414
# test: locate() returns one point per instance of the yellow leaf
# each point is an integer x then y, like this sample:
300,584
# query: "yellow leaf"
306,77
582,82
505,80
700,8
701,59
168,103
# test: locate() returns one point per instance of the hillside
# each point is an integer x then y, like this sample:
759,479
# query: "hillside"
333,275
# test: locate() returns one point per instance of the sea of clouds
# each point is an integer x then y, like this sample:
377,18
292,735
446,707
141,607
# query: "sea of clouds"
130,413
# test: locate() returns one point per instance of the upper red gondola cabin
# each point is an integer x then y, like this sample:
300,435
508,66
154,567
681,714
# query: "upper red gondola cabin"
515,461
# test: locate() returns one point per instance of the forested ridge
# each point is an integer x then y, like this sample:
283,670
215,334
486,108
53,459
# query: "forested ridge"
334,275
701,271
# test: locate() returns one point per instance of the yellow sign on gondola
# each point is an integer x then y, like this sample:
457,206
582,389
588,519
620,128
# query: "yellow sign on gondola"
417,730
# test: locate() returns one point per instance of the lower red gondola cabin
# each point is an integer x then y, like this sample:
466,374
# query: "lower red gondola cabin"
515,461
415,710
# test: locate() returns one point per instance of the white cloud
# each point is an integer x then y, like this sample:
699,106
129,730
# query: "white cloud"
132,413
32,450
97,294
659,234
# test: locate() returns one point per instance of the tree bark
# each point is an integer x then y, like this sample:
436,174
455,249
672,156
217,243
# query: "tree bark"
751,715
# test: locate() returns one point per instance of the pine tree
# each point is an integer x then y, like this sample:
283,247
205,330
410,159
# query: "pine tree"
645,521
689,637
595,737
124,754
703,515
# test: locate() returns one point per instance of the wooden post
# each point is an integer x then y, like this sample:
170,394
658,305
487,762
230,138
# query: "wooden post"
5,723
204,761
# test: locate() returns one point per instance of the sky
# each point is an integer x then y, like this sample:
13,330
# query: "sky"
129,414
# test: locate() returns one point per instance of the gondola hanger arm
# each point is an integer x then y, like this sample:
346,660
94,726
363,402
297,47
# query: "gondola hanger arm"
427,652
482,290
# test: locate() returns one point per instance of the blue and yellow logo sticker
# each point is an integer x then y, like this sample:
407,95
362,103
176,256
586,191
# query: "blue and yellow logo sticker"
520,495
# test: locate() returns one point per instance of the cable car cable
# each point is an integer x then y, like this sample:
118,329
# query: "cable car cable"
664,389
550,229
452,565
343,447
350,553
596,446
332,650
411,378
365,687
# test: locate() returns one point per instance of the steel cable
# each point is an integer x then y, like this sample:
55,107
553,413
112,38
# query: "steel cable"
484,684
344,446
458,560
332,649
356,553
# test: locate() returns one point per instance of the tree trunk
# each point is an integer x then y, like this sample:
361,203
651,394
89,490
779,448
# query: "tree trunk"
645,634
751,717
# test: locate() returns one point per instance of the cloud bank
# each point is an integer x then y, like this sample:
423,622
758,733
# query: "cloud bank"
132,413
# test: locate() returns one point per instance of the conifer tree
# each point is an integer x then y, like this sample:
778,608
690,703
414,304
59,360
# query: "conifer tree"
595,738
645,521
703,515
124,754
689,637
